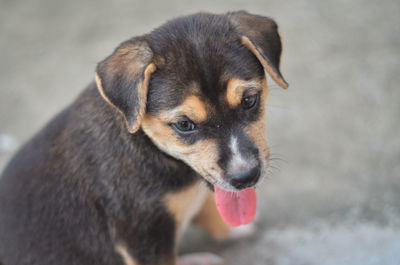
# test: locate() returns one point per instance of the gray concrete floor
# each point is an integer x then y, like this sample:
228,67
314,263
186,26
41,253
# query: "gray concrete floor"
335,195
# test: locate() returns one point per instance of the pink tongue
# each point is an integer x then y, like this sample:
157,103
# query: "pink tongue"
236,208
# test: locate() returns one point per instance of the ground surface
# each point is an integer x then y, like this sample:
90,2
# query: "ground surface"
335,198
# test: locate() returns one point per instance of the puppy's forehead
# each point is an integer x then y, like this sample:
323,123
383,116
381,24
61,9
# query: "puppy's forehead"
202,53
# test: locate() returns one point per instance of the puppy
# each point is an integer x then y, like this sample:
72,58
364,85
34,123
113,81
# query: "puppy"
173,116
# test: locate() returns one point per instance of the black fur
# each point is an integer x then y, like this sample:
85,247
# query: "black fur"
87,185
84,183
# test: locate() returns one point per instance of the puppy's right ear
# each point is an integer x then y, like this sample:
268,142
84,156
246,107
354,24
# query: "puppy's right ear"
123,80
260,35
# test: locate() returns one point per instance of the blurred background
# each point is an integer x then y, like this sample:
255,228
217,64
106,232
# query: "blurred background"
334,193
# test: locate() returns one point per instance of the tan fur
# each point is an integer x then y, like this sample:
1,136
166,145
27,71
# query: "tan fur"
128,259
142,94
103,95
130,59
161,133
246,42
184,205
210,219
204,162
192,107
236,87
195,107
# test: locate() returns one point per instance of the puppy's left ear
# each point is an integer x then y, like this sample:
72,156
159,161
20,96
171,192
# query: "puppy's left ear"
123,80
260,35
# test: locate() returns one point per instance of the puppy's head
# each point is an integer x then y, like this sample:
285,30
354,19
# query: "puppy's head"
197,87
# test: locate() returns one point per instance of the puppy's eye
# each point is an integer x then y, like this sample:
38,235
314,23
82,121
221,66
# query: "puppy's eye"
249,101
184,126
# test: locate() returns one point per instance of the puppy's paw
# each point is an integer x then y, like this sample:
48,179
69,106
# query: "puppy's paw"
241,232
200,259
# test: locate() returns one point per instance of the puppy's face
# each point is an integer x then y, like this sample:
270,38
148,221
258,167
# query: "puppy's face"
200,92
221,135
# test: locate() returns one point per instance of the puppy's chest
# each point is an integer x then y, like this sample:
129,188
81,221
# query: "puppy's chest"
185,204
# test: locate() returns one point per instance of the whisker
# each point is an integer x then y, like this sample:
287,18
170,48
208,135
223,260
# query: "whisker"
273,154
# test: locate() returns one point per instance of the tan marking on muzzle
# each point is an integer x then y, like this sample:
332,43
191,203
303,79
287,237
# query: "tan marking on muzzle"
202,156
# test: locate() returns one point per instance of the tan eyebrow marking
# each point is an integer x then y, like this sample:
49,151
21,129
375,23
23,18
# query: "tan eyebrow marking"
236,87
192,107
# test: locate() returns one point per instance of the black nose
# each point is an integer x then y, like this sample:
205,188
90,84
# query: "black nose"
245,179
